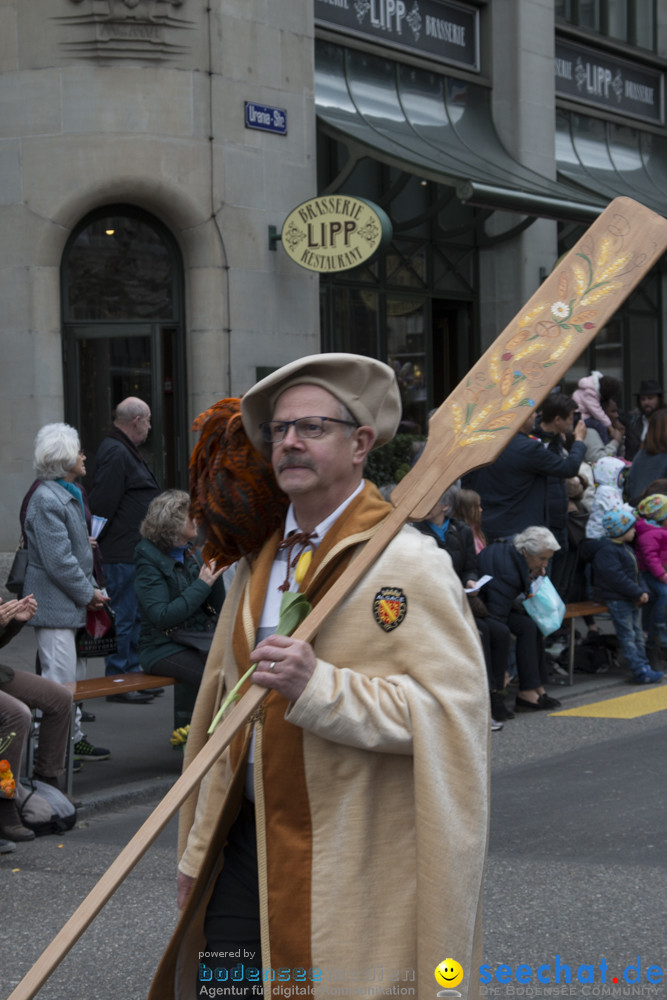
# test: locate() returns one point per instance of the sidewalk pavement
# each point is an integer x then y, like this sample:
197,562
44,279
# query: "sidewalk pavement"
143,764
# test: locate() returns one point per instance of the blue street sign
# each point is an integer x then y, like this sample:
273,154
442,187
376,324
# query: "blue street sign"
266,119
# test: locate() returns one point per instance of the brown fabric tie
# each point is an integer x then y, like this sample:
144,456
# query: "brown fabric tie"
300,539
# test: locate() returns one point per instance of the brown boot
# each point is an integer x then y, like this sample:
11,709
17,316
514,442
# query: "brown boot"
11,827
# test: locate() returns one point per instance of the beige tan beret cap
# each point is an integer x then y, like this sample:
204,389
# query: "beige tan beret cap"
366,386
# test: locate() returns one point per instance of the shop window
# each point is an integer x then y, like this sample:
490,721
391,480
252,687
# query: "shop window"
630,21
406,353
120,266
628,347
412,305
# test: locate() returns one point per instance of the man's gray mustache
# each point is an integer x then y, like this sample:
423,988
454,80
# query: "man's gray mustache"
296,463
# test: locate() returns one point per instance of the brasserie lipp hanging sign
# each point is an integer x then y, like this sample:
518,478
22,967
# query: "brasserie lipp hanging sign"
335,233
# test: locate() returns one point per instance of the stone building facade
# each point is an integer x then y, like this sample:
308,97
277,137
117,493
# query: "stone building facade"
119,105
147,147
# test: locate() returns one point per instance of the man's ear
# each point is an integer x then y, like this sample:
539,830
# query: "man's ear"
364,437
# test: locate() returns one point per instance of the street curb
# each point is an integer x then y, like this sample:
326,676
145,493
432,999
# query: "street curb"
151,791
584,687
138,793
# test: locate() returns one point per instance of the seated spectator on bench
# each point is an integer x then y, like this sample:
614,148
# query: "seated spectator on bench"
457,538
468,508
179,595
513,563
19,693
617,582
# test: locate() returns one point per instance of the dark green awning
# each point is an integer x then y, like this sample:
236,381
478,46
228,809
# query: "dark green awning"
612,159
437,127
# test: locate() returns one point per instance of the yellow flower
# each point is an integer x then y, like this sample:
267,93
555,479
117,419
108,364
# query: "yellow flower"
179,737
7,783
293,610
302,566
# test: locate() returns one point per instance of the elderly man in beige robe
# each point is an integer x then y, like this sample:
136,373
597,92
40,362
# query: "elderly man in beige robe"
337,847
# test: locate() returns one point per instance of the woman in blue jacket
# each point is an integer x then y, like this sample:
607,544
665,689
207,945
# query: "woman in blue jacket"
179,595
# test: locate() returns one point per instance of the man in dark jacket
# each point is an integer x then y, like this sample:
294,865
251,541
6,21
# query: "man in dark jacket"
123,487
514,488
649,399
556,419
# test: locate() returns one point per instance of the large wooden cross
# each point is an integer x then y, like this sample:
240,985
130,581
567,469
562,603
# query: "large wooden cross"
469,429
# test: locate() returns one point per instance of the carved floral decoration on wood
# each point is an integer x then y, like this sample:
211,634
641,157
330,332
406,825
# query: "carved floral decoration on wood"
549,332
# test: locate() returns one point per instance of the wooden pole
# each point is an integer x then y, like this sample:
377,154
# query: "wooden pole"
469,429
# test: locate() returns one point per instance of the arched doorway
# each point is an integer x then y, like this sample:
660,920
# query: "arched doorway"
123,332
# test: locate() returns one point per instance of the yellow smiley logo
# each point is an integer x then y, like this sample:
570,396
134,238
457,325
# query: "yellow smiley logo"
448,972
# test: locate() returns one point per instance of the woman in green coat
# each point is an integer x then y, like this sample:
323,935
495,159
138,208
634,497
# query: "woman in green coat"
179,595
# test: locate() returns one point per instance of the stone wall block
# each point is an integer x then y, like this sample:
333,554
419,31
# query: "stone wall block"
30,103
276,350
64,180
8,38
10,172
144,100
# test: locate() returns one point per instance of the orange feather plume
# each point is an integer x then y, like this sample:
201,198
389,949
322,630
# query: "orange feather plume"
234,495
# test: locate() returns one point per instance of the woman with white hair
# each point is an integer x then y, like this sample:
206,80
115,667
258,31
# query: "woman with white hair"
513,563
60,562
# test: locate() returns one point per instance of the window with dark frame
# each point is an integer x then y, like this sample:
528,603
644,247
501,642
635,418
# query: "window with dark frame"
630,21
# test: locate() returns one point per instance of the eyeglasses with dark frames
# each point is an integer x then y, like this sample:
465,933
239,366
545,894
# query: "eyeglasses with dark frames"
275,431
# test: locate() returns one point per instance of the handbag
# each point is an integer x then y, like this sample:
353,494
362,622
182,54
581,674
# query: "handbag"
16,577
44,808
98,636
545,606
200,639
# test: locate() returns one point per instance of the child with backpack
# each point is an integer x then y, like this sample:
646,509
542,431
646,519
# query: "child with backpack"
618,583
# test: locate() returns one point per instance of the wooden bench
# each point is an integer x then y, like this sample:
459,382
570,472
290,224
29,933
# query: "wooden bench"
99,687
580,609
103,687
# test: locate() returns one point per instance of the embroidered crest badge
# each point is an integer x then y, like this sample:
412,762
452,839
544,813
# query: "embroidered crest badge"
390,608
